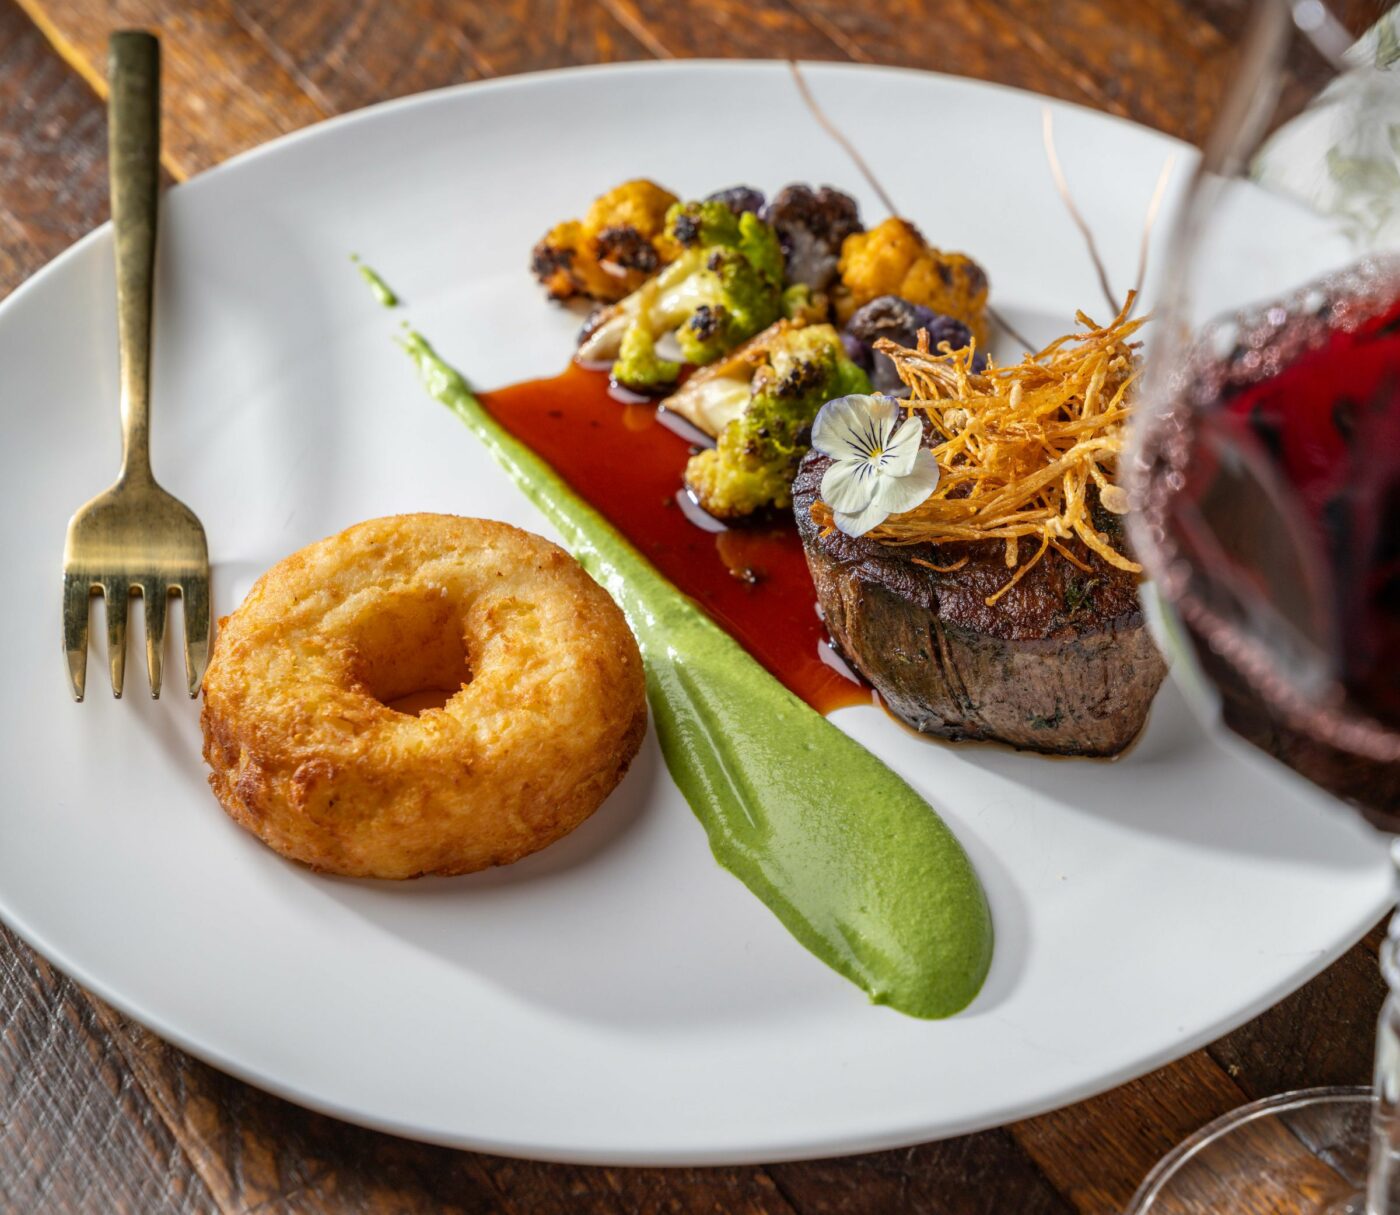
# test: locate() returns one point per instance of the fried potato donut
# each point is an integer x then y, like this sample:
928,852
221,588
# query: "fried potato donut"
547,704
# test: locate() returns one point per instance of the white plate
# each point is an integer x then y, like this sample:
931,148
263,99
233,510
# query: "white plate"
618,997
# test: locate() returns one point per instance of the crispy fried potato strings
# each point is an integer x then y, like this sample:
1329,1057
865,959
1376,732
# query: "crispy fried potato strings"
1021,446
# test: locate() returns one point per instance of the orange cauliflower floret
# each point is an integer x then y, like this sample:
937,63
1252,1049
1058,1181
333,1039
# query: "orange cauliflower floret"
894,259
613,250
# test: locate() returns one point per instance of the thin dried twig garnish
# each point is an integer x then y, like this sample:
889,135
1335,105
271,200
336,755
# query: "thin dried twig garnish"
846,145
1056,172
1154,205
1024,448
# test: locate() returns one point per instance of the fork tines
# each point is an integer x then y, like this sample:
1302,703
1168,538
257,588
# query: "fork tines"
78,592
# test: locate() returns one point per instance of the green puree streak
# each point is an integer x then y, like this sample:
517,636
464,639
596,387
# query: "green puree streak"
849,857
382,291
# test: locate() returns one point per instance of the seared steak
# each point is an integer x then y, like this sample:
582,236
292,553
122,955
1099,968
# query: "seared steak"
1062,663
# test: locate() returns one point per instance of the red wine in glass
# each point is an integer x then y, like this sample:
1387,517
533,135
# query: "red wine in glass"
1272,507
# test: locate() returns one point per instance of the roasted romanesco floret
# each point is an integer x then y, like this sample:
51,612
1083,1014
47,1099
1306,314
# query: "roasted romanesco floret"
740,288
894,259
638,365
798,370
802,304
613,250
723,286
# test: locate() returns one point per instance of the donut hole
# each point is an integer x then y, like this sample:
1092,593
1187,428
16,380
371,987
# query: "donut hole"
410,653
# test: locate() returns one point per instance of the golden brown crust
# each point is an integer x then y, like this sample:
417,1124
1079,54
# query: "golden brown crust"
305,753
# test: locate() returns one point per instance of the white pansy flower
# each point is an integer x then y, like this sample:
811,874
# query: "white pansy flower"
879,465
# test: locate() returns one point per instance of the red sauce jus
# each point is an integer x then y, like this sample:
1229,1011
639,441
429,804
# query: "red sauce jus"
628,465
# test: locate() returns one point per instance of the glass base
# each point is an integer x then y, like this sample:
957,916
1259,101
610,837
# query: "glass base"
1301,1153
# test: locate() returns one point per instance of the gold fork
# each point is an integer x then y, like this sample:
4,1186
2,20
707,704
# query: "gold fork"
135,538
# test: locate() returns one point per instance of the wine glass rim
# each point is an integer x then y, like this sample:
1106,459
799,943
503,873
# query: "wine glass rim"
1164,1169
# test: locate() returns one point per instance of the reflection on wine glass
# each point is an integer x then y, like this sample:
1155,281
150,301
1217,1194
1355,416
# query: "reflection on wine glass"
1265,473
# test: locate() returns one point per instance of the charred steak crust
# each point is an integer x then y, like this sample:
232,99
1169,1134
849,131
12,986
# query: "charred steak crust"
1063,663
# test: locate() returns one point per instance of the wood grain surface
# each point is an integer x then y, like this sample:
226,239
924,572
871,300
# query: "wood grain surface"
96,1114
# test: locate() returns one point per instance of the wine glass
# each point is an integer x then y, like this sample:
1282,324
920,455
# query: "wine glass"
1264,469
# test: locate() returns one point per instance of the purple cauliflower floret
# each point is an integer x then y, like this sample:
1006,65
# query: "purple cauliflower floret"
739,199
857,351
891,317
811,225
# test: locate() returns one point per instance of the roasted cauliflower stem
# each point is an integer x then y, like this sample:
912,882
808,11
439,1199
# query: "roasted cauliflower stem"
894,259
613,250
798,370
812,225
723,286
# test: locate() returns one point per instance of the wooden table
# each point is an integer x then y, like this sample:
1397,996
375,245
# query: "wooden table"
96,1114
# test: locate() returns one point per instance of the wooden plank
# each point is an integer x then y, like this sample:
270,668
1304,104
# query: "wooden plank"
557,1189
352,53
240,72
76,1133
987,1174
1154,63
1308,70
53,152
253,1150
1229,16
726,29
1324,1033
961,37
1097,1152
223,89
1165,63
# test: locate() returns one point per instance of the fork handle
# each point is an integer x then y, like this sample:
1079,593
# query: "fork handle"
133,140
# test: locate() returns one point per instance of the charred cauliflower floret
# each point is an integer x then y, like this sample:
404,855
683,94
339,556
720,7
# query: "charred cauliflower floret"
812,226
739,199
901,322
613,250
769,398
725,285
894,259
